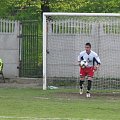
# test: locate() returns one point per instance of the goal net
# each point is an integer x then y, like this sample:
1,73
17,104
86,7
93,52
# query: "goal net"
65,35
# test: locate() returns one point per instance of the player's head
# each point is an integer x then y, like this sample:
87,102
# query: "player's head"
87,47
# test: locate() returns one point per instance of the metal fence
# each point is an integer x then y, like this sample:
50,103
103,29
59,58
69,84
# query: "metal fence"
30,48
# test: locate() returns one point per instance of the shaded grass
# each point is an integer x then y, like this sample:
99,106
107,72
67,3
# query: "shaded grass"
50,104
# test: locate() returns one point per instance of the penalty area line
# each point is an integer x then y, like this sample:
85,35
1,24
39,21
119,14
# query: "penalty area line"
36,118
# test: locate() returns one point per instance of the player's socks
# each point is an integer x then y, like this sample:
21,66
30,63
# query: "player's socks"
81,84
81,91
89,85
88,91
88,88
81,87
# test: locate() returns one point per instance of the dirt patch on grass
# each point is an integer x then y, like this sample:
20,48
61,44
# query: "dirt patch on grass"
21,83
75,95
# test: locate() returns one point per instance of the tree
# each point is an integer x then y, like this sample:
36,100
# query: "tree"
32,9
20,9
96,6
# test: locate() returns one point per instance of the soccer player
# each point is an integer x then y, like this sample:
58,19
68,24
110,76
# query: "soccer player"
93,64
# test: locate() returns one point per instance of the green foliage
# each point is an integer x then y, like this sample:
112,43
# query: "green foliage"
31,9
95,6
20,9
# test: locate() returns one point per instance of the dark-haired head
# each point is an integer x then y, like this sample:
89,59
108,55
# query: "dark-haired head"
88,47
88,44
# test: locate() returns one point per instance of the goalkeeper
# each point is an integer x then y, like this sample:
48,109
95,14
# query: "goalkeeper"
93,64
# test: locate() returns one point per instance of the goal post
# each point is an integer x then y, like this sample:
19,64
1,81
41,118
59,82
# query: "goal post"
64,36
44,52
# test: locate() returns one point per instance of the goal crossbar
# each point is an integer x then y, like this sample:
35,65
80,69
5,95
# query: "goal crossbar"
81,14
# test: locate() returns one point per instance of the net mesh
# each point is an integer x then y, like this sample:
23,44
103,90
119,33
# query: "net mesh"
66,37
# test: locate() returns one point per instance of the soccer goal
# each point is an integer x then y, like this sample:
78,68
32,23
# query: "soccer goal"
64,36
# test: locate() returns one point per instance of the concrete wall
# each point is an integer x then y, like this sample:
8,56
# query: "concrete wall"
9,48
65,47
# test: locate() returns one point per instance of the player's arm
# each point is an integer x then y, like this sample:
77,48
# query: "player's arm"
97,60
79,60
80,57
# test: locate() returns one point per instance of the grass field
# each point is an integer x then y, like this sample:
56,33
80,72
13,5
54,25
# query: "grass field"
36,104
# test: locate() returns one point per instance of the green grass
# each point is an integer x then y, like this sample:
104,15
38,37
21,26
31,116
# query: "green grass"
36,103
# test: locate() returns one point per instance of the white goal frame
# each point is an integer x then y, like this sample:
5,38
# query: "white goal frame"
45,31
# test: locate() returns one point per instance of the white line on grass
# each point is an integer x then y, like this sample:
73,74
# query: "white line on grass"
44,98
35,118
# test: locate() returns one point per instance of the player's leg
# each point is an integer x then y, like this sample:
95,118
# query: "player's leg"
90,77
89,86
82,78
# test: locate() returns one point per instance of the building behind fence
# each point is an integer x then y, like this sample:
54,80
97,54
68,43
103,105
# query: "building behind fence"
67,37
9,47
